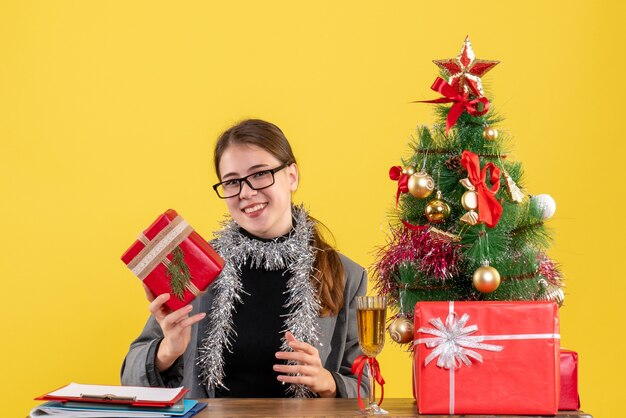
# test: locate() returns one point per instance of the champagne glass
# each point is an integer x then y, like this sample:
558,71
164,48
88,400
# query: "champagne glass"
371,315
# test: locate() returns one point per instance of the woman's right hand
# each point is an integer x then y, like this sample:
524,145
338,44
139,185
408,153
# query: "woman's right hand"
176,327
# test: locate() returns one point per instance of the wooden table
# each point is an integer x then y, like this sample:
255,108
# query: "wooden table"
230,407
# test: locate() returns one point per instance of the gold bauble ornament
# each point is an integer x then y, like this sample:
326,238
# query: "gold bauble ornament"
408,170
486,279
490,134
401,330
421,184
437,210
552,292
469,200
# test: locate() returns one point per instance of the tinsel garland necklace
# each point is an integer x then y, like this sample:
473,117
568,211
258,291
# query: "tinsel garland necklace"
297,255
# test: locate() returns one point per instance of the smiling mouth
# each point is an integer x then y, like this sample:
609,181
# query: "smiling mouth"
255,208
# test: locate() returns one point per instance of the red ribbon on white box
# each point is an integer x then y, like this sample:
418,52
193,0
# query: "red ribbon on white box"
453,343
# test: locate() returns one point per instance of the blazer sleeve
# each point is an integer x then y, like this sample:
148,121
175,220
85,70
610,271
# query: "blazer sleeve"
356,285
139,367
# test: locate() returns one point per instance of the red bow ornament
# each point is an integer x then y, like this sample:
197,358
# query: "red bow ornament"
489,208
461,102
358,367
396,173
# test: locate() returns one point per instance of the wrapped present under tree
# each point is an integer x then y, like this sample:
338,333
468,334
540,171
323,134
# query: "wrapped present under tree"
487,358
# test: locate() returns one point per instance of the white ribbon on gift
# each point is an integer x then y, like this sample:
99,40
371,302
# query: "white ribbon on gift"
162,244
453,343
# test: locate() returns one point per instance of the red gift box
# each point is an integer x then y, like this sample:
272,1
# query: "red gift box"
170,247
486,358
570,401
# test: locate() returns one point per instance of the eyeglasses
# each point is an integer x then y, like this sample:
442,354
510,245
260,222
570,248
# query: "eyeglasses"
256,181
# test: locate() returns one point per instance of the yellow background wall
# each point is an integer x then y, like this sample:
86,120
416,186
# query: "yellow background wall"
109,110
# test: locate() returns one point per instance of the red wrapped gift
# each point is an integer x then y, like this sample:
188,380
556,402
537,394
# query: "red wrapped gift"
486,358
570,401
170,257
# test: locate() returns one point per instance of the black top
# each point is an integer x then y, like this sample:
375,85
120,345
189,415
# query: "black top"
258,323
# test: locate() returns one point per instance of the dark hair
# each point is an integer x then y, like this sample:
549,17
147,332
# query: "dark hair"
329,279
264,135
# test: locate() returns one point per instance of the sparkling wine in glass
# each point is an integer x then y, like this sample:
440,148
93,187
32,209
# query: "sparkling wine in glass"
371,315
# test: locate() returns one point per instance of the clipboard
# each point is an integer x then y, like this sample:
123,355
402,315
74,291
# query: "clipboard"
126,395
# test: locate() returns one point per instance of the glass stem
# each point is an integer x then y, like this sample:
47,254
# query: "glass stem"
372,386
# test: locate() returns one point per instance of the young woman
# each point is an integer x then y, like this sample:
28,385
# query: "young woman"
280,320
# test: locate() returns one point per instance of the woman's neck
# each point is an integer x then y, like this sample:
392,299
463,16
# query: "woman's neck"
272,237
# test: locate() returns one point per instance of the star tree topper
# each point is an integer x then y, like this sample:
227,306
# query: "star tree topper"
465,70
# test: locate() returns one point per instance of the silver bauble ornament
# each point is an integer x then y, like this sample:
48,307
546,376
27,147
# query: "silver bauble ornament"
546,204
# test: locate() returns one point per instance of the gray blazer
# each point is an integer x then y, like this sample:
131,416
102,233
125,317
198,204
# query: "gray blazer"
339,346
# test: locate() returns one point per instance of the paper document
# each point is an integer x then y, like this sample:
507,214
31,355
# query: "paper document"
76,390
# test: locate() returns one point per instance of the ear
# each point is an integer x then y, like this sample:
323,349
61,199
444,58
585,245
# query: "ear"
293,177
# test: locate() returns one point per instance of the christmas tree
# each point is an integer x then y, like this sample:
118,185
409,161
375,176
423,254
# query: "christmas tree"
463,227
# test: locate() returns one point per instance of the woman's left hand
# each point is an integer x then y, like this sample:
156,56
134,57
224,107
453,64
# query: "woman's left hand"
308,370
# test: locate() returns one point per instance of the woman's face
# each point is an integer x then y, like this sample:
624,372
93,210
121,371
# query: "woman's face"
265,213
